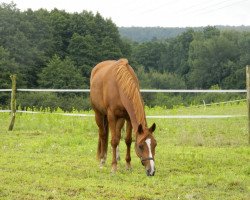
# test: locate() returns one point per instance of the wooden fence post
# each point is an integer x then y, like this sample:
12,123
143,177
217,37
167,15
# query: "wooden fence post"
248,98
13,102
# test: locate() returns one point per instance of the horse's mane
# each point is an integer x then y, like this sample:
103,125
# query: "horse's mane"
129,84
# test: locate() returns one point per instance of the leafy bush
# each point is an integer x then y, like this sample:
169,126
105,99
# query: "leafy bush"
43,101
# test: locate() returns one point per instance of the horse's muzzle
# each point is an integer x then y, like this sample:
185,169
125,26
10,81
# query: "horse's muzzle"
149,172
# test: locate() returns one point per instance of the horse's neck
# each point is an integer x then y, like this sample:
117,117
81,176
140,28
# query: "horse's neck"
135,117
135,123
129,91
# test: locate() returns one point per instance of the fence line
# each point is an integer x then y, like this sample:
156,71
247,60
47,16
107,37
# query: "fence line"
142,90
5,90
148,116
193,91
53,90
216,103
247,91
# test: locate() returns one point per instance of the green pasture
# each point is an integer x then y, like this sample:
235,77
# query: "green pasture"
50,156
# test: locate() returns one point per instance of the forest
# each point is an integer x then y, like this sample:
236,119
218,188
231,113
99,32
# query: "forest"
56,49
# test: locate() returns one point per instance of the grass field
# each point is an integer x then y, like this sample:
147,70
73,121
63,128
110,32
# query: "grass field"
50,156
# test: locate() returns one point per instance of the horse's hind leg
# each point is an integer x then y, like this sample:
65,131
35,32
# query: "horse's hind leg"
102,123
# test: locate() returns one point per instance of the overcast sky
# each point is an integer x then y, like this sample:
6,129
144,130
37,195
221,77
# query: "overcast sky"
164,13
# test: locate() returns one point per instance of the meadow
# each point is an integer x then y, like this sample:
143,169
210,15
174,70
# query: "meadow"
50,156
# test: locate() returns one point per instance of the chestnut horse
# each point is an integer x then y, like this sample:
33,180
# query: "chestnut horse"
115,97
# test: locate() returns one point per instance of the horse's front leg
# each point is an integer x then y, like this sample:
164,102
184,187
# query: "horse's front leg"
115,128
119,124
128,142
114,139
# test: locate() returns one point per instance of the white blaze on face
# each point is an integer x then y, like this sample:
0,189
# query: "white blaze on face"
152,163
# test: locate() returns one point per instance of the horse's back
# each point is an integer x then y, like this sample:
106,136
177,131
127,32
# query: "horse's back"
105,66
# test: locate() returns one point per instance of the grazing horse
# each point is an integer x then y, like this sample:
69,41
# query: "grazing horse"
115,98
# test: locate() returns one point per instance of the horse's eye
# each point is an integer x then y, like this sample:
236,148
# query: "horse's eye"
141,147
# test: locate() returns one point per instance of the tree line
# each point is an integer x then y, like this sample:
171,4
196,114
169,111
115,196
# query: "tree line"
146,34
56,49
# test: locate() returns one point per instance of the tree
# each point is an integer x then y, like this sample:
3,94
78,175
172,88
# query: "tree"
8,66
61,74
109,50
210,32
149,55
209,59
236,77
180,52
60,23
83,50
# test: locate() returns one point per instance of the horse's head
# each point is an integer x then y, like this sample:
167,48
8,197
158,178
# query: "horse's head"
145,148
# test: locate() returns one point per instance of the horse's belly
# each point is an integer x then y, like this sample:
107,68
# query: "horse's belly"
121,113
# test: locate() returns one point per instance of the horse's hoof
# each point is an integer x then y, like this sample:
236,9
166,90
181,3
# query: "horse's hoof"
114,169
128,167
102,163
113,172
118,158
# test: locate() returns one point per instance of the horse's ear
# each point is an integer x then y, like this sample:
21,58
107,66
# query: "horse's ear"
152,128
140,129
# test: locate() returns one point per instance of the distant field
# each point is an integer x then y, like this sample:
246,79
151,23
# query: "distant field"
50,156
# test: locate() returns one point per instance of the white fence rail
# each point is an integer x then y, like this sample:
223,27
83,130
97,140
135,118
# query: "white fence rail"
142,90
148,116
